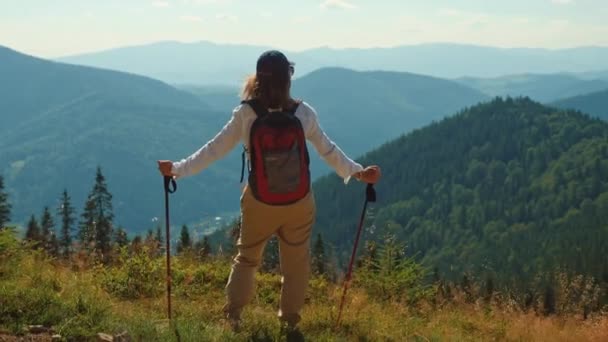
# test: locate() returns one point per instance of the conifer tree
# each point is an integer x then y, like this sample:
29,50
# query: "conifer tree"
185,243
32,234
47,227
66,212
86,230
103,202
121,239
53,245
319,259
96,223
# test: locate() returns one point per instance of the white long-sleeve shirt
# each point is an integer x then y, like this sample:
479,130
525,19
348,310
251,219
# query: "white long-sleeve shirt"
237,130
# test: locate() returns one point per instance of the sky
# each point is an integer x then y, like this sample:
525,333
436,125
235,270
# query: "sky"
59,28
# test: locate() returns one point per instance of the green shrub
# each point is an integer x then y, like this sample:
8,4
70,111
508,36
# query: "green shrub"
268,288
393,276
25,305
84,315
135,275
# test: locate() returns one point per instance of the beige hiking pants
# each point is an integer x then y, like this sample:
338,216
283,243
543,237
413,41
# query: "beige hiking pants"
292,224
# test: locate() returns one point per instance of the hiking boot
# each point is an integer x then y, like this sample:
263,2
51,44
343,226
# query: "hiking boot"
291,332
233,318
235,324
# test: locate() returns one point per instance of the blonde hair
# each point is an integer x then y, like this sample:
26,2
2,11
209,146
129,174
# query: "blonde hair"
249,87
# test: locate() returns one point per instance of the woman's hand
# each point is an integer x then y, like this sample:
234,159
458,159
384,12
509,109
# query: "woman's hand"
370,174
165,167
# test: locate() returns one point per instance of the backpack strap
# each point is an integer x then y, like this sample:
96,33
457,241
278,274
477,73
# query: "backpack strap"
295,107
256,106
259,111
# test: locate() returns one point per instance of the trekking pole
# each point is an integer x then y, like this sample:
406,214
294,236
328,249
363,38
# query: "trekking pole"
370,196
170,187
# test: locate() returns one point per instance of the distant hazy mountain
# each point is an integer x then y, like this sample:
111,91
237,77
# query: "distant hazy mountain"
60,121
593,75
210,63
543,88
64,120
222,98
595,104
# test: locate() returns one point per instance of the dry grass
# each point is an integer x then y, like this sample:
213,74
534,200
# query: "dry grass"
198,314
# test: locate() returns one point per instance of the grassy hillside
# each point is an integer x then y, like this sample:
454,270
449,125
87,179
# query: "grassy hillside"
510,189
539,87
595,103
79,299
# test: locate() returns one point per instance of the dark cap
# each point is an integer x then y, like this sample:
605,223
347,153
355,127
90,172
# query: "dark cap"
273,62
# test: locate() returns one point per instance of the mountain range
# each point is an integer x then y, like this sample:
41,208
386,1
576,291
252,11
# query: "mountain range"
544,88
66,119
210,63
595,103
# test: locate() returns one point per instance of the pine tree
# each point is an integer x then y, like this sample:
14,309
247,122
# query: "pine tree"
47,227
103,202
103,239
185,243
32,234
53,245
5,206
66,213
86,229
121,239
96,223
319,259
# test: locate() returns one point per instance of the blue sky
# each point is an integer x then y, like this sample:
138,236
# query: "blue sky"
63,27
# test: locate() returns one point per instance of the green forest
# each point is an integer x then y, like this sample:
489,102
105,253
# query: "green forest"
510,189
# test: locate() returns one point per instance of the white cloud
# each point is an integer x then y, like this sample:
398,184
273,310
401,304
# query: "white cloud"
191,18
161,4
205,2
266,14
303,19
456,26
467,18
337,4
227,17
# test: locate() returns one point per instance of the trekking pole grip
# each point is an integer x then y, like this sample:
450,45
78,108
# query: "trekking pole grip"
170,184
370,193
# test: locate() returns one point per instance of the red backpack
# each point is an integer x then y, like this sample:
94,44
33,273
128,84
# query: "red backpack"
279,162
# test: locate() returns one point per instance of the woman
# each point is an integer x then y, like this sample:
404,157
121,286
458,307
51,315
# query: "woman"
269,88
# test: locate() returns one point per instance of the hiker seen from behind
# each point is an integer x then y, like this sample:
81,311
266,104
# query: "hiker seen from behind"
277,200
